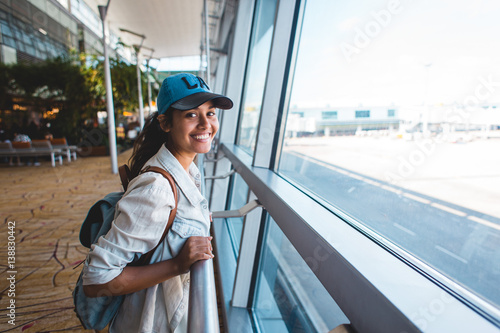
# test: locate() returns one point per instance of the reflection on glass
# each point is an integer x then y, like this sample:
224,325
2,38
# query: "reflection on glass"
260,45
289,297
394,119
234,225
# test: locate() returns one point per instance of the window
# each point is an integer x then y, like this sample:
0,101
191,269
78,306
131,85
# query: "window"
7,36
428,182
289,297
362,113
85,14
260,46
327,115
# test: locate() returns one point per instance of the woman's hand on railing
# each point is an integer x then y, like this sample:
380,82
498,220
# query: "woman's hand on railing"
196,248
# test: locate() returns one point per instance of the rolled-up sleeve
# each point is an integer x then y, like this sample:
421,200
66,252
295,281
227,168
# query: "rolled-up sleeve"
140,220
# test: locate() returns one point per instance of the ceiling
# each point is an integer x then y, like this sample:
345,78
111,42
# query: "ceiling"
172,27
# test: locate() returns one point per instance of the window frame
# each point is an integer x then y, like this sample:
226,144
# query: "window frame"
361,115
244,91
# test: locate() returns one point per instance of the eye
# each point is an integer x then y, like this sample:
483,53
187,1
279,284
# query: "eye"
211,113
191,114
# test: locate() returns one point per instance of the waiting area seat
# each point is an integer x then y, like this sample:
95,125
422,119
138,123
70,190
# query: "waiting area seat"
31,149
62,143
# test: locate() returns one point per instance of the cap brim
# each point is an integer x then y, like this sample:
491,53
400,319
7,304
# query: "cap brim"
197,99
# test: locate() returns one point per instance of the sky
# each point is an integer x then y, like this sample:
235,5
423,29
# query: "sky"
406,52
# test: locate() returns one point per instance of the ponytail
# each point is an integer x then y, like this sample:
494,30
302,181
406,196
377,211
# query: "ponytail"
147,144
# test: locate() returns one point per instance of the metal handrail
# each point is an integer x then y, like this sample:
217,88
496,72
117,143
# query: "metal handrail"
202,309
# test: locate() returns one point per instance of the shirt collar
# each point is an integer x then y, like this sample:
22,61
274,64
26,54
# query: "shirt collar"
186,185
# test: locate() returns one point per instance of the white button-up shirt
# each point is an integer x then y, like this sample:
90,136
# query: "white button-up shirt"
140,220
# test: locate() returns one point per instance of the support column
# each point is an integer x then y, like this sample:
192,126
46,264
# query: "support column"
109,94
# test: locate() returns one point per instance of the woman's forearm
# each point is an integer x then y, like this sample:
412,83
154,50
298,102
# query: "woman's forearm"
135,278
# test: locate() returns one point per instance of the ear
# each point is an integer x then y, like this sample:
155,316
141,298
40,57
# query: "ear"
164,124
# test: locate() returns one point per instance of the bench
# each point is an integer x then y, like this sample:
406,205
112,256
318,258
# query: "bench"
61,143
33,148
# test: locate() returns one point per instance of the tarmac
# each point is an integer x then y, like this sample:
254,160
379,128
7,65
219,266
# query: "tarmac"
42,208
464,173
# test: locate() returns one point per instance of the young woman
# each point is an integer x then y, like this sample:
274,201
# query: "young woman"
157,294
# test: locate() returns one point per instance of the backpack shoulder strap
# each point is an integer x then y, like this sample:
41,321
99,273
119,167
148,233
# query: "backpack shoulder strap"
124,172
146,258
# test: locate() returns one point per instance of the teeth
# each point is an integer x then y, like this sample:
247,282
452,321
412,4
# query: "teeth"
201,137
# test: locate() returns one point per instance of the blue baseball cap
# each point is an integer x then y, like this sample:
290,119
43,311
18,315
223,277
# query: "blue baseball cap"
185,92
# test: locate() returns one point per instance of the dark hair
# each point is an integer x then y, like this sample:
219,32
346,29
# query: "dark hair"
149,141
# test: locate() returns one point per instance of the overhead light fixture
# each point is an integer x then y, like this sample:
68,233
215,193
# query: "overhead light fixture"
133,33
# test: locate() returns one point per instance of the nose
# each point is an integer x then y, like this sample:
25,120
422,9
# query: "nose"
204,122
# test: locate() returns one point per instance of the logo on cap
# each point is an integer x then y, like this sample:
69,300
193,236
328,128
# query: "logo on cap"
200,80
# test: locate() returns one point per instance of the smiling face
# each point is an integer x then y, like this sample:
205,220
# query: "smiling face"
191,132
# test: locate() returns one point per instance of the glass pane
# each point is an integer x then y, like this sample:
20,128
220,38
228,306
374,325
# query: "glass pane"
260,45
289,297
40,45
5,29
238,199
394,120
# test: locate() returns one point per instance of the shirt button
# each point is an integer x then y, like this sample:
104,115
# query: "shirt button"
205,206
